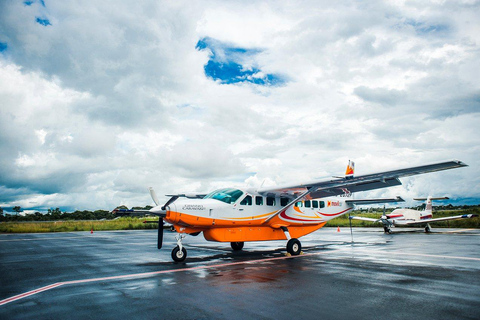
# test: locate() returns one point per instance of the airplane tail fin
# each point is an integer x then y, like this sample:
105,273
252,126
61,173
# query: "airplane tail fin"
428,204
350,169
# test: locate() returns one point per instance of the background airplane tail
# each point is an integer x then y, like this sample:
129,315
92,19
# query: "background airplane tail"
428,203
350,169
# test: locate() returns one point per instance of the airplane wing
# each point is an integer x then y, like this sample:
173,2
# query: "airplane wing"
328,188
374,201
463,216
365,219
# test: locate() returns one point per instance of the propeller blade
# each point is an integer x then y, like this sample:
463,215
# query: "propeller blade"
160,233
154,196
169,202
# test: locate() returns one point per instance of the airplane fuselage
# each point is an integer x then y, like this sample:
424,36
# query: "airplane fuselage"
403,216
242,215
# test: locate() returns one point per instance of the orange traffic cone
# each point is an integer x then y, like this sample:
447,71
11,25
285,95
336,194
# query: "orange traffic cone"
91,231
338,229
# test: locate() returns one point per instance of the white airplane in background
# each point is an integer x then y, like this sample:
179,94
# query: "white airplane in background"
410,217
274,213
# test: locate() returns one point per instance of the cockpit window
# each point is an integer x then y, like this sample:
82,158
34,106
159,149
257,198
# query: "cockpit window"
228,195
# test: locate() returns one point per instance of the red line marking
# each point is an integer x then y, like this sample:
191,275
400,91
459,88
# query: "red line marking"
30,293
147,274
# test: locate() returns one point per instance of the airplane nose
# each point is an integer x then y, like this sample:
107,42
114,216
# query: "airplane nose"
159,210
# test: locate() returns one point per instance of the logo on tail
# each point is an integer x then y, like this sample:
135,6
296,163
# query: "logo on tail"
350,170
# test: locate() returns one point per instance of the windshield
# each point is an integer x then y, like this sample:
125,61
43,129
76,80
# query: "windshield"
228,195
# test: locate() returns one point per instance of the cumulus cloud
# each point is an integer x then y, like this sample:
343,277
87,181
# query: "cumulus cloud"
100,101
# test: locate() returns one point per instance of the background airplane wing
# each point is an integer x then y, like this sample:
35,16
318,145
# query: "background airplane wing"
373,201
328,188
464,216
365,219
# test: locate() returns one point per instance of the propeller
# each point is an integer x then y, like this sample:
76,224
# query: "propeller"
161,212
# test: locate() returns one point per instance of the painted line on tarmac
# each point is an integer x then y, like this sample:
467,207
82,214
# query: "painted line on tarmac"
30,293
153,273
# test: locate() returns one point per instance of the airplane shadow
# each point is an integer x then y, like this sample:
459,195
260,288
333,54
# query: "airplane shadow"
229,256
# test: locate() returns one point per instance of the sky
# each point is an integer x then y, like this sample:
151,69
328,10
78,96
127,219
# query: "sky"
100,100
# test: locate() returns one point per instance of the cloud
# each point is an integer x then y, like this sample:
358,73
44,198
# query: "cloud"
104,101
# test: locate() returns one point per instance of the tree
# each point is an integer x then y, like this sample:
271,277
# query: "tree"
17,209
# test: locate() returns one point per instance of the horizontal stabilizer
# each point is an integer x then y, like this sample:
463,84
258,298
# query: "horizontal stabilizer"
431,198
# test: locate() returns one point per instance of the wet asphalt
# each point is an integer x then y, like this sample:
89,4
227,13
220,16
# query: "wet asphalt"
121,274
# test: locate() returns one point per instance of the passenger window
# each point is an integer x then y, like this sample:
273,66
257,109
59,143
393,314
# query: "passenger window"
299,204
322,204
315,203
283,201
259,201
247,201
308,204
270,201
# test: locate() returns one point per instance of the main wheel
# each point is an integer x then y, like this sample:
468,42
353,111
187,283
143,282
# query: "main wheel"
427,229
237,246
179,255
294,247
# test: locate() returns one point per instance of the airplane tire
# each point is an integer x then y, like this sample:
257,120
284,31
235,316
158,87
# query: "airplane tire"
294,247
237,246
179,256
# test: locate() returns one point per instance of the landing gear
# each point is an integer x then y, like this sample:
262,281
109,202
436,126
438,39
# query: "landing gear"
237,246
294,247
179,253
387,229
427,228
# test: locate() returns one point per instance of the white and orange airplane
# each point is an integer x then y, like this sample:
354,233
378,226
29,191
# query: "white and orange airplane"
410,217
273,213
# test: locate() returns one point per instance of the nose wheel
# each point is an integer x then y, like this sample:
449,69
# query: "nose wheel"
179,253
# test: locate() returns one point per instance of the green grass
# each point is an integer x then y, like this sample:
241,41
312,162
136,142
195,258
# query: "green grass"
130,223
76,225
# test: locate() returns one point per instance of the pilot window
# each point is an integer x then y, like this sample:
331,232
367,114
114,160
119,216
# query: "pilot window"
308,204
283,201
270,201
315,203
247,201
259,201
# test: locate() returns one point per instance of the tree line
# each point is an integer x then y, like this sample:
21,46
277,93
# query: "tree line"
56,214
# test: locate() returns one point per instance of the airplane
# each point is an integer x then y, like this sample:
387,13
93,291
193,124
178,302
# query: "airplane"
410,217
289,212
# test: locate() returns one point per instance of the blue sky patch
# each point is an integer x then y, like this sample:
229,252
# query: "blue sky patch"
3,46
229,64
44,22
423,28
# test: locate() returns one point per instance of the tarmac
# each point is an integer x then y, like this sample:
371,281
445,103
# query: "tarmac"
121,274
